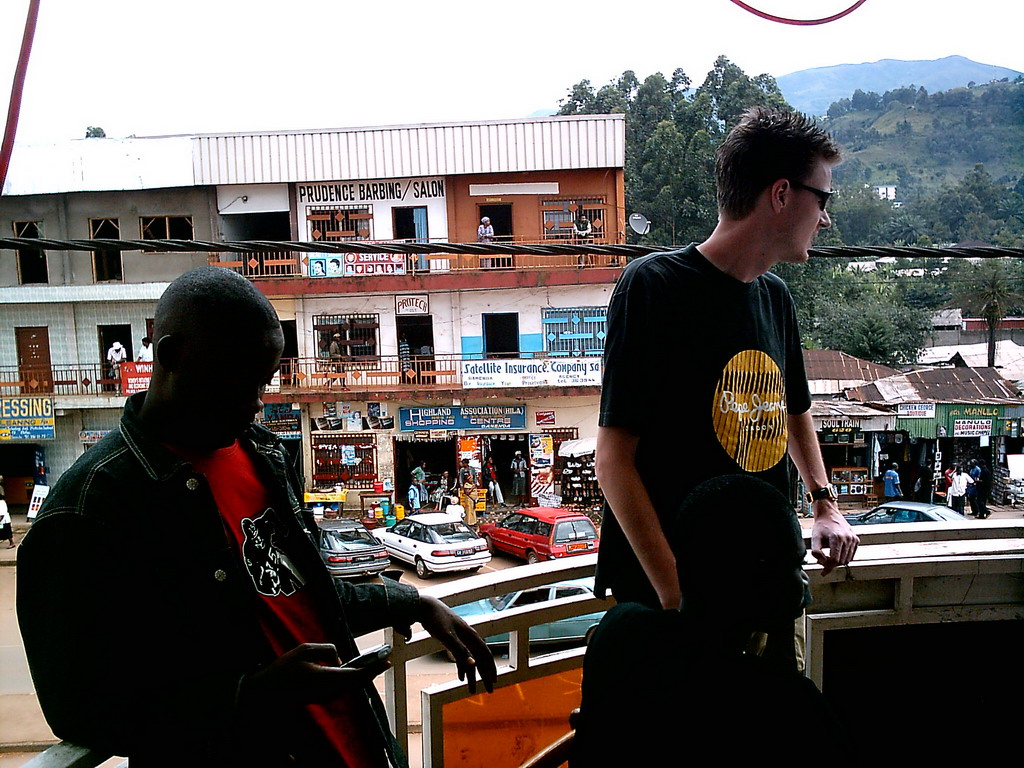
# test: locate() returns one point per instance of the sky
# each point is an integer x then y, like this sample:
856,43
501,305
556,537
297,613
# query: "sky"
138,67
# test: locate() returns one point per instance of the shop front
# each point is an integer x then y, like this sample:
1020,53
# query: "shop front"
851,437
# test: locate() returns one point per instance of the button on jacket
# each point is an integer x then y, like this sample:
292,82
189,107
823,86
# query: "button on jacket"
140,623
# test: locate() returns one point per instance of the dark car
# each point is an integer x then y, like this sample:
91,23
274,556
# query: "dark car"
905,512
542,533
349,550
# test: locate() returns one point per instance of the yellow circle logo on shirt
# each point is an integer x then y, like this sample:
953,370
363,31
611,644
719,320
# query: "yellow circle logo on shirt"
750,411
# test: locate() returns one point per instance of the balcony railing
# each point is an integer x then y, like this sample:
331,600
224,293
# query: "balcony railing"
88,379
418,372
937,574
472,257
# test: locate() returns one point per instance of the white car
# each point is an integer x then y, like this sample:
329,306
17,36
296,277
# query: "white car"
434,542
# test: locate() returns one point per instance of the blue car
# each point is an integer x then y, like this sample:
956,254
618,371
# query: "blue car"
571,630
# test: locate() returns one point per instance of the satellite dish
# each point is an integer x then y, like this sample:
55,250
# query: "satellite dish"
639,223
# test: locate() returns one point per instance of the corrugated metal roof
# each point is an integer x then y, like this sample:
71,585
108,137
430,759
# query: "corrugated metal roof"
537,144
94,165
442,149
940,385
830,372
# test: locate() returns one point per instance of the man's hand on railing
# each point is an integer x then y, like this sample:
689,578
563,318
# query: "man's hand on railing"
472,657
311,673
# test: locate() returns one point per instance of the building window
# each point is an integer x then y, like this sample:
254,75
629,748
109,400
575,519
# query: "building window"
581,219
166,228
106,265
575,331
349,460
345,222
31,261
358,342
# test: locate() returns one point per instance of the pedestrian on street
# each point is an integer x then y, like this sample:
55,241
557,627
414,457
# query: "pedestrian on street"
469,481
958,488
519,478
6,530
493,487
891,479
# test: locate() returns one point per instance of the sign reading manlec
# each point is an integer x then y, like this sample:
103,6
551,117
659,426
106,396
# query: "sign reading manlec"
26,418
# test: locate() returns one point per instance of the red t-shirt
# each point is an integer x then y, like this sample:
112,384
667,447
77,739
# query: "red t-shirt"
289,613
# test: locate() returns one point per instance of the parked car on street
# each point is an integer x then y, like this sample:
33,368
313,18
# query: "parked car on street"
905,512
435,542
542,533
348,550
574,629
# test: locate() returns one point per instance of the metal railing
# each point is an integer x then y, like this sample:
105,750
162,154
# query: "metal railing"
292,264
877,589
88,379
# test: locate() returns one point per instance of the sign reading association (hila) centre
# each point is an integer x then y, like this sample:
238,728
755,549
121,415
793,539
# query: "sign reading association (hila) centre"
26,418
388,190
463,417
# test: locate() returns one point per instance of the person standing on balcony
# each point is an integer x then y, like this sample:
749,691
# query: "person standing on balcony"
743,384
335,353
146,352
231,652
116,355
891,480
485,232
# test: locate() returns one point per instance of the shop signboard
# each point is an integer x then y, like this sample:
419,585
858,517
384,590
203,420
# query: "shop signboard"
972,427
283,419
545,418
135,377
463,417
531,372
542,454
916,410
356,264
412,305
26,418
91,436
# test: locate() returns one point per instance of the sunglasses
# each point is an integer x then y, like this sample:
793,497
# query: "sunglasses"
821,194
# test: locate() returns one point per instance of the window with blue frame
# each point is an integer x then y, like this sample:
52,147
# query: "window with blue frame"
575,331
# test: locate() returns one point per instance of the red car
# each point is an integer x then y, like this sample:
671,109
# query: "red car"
542,533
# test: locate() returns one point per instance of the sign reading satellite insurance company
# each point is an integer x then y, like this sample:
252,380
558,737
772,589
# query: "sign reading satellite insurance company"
463,417
525,372
26,418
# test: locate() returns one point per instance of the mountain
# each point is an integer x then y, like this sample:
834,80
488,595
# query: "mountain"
813,90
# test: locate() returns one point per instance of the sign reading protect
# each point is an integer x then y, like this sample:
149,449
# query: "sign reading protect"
26,418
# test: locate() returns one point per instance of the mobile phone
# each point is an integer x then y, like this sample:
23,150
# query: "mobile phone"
369,658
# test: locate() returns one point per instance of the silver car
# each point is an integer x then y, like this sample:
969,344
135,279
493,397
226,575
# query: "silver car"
905,512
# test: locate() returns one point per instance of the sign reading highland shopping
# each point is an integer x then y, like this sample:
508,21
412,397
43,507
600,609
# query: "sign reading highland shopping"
972,427
463,417
26,418
526,372
916,410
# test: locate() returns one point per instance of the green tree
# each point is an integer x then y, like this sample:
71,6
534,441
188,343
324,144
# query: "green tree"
991,295
874,327
95,132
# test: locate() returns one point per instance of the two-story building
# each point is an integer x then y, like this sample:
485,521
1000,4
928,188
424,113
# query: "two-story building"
436,356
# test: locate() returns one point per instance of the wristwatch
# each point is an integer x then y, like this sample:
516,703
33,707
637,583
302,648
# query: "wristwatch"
825,492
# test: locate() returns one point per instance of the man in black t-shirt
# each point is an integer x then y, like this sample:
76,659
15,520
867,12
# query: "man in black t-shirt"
708,331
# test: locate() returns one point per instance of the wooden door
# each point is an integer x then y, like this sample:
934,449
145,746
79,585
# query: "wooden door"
34,360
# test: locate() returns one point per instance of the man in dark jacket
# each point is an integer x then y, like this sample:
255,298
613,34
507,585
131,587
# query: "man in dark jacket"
173,605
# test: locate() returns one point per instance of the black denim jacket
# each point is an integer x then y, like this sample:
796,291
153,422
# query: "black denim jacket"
139,622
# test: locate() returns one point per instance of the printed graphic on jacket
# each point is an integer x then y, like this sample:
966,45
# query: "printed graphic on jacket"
750,411
269,567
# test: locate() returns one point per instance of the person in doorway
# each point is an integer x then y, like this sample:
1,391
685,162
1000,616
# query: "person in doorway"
233,656
6,529
446,492
469,481
485,232
958,488
116,355
146,352
494,495
419,479
746,376
413,497
519,470
891,481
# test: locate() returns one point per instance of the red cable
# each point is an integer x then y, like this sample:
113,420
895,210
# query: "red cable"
14,109
800,22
